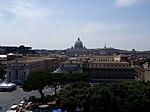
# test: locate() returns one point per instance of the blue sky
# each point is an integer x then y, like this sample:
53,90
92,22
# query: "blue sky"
56,24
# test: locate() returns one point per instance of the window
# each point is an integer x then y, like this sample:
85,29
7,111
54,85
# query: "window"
24,74
16,75
10,72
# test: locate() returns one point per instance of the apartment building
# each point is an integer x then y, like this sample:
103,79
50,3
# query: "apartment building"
18,70
109,71
71,66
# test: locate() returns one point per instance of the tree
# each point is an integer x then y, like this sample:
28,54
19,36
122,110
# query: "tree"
56,79
109,97
73,96
36,81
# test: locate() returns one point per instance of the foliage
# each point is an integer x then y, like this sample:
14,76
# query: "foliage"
38,80
111,97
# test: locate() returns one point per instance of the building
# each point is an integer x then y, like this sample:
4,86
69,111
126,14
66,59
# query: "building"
106,58
108,51
100,68
109,71
17,50
71,66
143,73
78,44
18,70
77,50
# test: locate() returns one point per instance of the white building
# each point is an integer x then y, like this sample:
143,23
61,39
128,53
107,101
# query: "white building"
18,70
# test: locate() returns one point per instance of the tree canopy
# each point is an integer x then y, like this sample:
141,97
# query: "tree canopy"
106,97
38,80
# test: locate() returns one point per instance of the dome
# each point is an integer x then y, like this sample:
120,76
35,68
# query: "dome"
78,44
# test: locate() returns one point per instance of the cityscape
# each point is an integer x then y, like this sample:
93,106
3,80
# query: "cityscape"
102,65
74,56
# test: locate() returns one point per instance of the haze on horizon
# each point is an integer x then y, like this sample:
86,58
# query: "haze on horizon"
56,24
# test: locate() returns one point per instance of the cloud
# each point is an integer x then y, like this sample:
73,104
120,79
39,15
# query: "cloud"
127,3
24,9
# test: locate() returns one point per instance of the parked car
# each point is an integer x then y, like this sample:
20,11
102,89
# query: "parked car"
22,104
13,108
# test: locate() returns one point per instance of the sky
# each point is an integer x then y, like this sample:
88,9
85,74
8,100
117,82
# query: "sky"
56,24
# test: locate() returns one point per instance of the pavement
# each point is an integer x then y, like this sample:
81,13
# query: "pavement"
7,99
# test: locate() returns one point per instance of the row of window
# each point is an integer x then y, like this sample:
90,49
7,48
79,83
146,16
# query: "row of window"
108,74
107,65
16,74
109,70
103,59
113,77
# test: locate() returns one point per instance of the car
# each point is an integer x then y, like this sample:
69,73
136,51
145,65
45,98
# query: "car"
21,109
13,108
22,104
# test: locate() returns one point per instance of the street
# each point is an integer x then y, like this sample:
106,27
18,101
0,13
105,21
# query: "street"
7,99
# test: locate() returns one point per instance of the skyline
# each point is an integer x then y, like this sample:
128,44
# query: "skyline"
56,24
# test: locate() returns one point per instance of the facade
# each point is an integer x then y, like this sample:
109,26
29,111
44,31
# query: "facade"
109,71
71,66
103,58
77,50
147,75
108,51
143,74
106,58
17,50
18,70
100,68
140,73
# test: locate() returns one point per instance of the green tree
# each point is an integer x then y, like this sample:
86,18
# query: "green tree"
107,97
74,95
56,79
36,81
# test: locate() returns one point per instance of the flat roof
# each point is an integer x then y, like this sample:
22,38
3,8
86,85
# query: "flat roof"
30,60
72,61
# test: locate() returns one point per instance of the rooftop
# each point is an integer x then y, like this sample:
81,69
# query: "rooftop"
31,60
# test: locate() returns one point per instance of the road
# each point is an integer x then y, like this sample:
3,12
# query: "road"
7,99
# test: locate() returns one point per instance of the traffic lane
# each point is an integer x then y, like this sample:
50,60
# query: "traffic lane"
7,99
